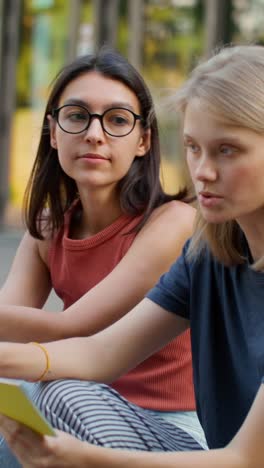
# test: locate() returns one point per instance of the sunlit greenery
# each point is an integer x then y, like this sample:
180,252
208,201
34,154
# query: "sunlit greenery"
173,39
43,45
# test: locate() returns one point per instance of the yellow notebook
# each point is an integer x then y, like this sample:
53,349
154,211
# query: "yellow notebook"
15,403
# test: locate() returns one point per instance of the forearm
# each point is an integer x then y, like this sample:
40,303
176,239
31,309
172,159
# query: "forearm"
75,358
21,361
102,357
109,458
23,324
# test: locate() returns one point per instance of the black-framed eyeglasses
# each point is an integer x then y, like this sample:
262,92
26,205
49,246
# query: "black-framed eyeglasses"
117,121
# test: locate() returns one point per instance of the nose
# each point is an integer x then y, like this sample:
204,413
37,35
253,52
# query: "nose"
205,169
94,132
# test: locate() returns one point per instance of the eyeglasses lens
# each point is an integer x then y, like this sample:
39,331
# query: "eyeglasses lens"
116,121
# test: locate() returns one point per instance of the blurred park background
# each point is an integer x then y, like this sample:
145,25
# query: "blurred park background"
164,39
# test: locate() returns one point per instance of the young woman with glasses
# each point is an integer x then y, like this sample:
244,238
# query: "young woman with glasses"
101,231
216,286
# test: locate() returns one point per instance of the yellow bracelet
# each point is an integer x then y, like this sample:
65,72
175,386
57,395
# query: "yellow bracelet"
45,351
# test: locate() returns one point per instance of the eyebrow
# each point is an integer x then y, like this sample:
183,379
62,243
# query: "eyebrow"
185,135
224,139
80,102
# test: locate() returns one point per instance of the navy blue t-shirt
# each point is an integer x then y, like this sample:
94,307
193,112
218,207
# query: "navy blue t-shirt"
225,306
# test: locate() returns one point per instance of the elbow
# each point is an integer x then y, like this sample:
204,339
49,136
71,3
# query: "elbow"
242,459
66,326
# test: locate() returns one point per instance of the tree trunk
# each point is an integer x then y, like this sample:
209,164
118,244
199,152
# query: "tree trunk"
217,22
106,22
136,32
74,25
10,17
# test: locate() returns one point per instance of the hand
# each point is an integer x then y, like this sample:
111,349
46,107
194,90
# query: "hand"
34,450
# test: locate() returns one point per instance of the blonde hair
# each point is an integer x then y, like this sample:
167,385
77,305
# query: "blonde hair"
231,85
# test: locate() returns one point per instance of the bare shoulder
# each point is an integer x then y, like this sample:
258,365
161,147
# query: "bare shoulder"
162,238
43,245
175,214
176,207
36,247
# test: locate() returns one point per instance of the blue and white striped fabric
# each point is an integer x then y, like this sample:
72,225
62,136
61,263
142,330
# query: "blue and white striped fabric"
97,414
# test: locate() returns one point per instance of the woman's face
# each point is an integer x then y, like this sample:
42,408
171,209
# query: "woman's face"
226,165
93,158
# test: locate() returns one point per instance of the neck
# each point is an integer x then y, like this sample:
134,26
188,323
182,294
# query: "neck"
99,210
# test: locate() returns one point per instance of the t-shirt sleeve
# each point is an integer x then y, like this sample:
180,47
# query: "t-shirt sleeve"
172,292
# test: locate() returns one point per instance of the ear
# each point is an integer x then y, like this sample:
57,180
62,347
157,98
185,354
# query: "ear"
52,128
144,143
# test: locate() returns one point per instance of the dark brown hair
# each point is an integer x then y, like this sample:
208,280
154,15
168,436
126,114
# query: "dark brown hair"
49,186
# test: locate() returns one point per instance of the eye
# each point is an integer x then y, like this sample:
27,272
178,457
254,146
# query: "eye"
74,114
118,120
191,147
77,116
227,150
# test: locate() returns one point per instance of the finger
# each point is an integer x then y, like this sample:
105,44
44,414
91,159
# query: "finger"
7,425
14,431
24,443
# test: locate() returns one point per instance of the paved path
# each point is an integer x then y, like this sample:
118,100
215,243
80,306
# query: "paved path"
9,241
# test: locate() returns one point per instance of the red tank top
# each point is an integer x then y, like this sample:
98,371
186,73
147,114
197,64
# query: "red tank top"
162,382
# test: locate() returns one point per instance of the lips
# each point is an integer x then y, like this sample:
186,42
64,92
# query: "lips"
92,156
209,194
209,199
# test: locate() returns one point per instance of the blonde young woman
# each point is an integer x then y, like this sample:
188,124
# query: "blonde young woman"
217,286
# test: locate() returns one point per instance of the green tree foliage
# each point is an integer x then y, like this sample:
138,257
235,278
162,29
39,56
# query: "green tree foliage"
48,51
174,36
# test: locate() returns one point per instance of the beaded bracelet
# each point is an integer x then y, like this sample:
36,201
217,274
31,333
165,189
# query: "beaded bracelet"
45,351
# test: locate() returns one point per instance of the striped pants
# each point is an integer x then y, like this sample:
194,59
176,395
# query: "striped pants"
97,414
